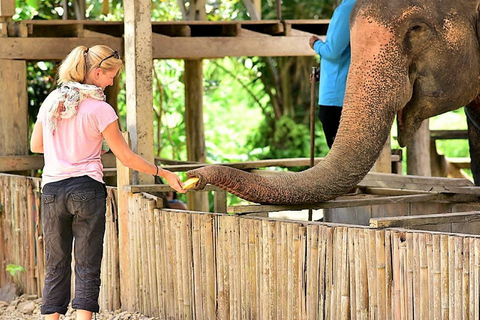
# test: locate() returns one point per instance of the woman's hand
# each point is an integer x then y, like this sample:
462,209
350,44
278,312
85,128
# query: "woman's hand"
173,181
312,41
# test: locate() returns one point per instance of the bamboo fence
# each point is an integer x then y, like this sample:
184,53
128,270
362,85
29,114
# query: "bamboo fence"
193,265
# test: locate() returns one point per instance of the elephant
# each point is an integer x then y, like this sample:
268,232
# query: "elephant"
411,60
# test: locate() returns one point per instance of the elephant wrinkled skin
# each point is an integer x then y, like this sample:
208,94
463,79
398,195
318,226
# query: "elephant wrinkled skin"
413,59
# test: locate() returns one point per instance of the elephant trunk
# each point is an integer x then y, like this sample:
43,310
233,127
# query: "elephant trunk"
377,88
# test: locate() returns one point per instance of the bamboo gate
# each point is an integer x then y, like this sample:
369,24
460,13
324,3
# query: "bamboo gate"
194,265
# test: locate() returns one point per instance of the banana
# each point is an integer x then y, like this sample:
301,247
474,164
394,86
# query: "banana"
190,183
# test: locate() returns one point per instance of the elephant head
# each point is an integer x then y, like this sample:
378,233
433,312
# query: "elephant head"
410,59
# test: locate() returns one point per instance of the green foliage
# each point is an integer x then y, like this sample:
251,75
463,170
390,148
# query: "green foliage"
40,82
454,120
39,10
52,9
285,139
13,269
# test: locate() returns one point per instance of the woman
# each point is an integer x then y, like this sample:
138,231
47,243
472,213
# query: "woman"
335,55
71,125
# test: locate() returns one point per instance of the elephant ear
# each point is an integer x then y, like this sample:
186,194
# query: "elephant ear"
477,16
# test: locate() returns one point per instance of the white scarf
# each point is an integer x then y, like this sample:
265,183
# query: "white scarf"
66,105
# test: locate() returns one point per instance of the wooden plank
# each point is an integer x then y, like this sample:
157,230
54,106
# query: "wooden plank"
381,276
13,122
124,232
247,165
173,165
312,269
429,219
413,182
337,203
41,48
195,132
135,188
34,162
139,81
218,47
220,201
448,134
7,8
418,152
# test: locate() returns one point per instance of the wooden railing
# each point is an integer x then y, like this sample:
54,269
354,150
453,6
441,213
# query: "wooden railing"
179,264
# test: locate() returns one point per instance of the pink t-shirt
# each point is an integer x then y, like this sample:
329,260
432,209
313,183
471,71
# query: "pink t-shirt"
75,148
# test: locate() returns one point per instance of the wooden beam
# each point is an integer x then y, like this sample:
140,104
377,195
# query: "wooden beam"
196,150
396,181
134,188
384,161
124,177
341,202
35,162
139,80
201,39
421,220
218,47
418,152
21,163
14,118
41,48
448,134
249,165
7,8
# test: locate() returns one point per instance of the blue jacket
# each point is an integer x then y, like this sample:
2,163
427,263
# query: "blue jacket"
335,56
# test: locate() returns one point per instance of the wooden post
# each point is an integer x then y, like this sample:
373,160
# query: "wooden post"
139,81
14,122
384,161
194,111
254,8
194,126
197,10
7,8
418,152
124,177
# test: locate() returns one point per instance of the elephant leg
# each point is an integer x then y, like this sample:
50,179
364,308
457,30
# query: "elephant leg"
472,111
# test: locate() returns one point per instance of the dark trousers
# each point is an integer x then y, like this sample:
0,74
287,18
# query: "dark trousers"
330,118
73,208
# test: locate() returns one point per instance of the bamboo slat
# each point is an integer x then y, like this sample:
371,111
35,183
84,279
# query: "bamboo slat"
381,276
417,308
329,254
160,263
410,277
190,265
372,272
445,276
282,261
424,293
197,268
466,278
352,248
458,274
312,271
436,309
396,303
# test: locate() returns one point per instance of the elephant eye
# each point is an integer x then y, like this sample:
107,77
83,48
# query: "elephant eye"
418,36
415,28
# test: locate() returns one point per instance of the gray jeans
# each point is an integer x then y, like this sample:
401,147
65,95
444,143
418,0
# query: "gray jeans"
73,208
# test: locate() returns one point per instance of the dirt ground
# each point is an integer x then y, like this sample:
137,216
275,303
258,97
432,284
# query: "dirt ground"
28,307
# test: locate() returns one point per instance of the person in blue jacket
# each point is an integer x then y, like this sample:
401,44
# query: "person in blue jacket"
334,55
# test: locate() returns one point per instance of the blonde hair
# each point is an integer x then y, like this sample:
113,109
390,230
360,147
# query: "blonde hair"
81,60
